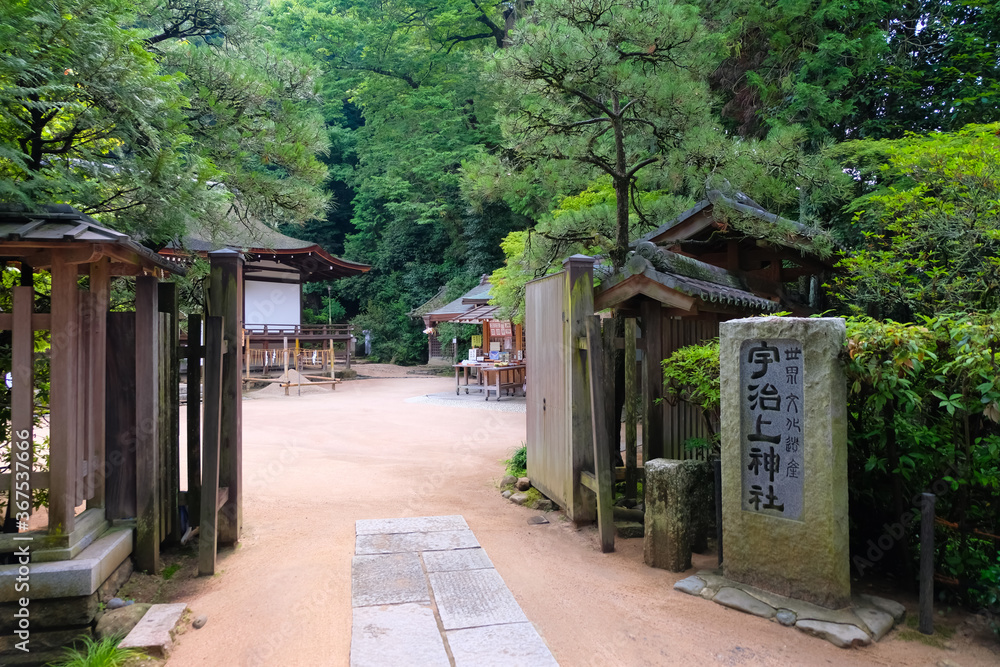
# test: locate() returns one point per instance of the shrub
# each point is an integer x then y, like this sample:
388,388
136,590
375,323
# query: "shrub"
517,464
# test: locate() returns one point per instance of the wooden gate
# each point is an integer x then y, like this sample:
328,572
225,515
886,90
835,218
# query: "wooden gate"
549,455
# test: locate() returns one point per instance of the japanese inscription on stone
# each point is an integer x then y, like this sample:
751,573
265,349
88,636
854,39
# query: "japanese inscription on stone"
771,414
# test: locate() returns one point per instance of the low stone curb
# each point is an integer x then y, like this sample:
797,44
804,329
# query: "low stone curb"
868,620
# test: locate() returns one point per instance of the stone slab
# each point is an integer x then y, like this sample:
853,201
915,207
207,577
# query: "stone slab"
838,634
891,607
879,623
734,598
690,585
803,610
460,559
388,579
52,613
404,635
474,598
420,524
152,634
72,578
499,646
400,542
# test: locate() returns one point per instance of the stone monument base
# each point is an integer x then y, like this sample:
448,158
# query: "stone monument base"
868,619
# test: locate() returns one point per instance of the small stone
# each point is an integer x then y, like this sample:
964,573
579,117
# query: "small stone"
537,520
947,663
690,585
507,494
734,598
891,607
129,602
509,480
786,617
838,634
523,484
115,603
629,529
878,621
519,498
641,507
199,622
544,505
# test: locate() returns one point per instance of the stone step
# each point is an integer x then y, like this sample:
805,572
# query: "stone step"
154,633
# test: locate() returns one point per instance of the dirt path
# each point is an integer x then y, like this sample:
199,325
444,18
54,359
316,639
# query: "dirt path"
314,464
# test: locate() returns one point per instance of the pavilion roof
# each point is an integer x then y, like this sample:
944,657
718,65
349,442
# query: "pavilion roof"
61,226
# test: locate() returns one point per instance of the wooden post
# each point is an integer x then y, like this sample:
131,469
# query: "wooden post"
170,408
602,463
631,410
120,414
21,402
652,335
100,285
579,310
194,355
147,463
208,533
347,351
246,348
227,302
63,464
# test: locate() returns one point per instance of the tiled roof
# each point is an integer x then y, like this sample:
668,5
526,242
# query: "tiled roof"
62,223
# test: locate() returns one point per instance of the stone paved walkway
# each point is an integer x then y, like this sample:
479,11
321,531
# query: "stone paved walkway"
425,593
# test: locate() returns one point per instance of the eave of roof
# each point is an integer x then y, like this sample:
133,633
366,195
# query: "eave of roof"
59,225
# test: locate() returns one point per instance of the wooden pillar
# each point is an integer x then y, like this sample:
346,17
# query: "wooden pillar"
652,335
100,284
579,307
147,446
63,464
21,403
194,355
226,301
347,353
170,402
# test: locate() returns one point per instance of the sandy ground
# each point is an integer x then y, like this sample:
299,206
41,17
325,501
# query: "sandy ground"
314,464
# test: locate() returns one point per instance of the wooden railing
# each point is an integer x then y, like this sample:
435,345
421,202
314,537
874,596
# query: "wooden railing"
292,330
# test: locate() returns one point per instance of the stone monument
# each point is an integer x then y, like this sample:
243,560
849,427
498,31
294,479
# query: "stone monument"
784,457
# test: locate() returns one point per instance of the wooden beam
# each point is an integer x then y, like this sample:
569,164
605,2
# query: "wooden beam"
63,361
73,254
641,285
147,463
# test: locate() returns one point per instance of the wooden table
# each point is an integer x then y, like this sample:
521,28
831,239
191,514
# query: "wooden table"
497,378
462,370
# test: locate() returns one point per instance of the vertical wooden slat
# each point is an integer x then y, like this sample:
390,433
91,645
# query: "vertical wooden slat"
120,413
147,552
170,311
63,393
87,416
194,355
208,540
97,396
21,408
631,410
82,367
613,422
162,424
602,464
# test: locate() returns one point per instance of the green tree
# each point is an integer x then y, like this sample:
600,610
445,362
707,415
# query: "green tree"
612,86
927,230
